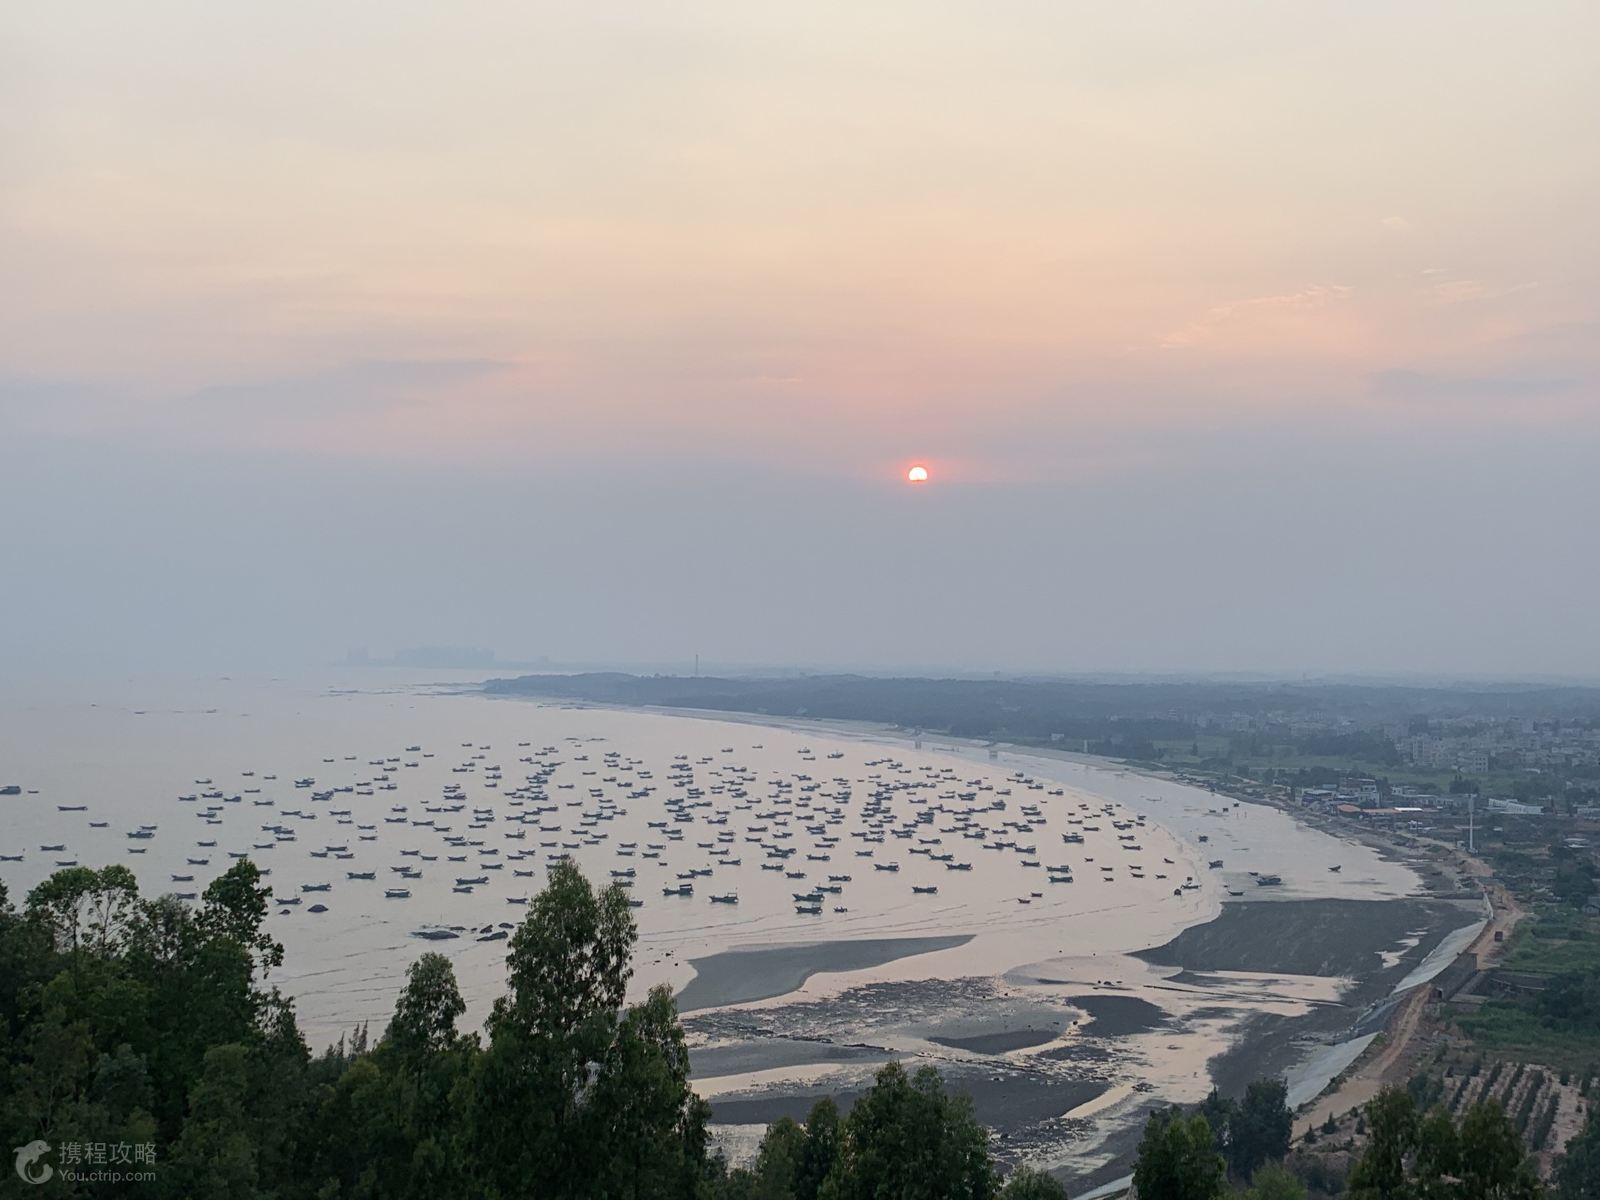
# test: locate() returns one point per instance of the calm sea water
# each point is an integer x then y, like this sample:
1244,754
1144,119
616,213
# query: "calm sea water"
608,785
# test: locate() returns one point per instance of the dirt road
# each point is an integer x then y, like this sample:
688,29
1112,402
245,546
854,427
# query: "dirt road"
1370,1073
1386,1062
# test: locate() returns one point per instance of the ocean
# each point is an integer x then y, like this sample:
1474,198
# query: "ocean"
410,771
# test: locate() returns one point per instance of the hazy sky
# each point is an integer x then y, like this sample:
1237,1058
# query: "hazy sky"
1238,336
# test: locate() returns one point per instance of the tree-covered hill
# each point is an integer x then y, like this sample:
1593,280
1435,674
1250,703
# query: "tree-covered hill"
145,1052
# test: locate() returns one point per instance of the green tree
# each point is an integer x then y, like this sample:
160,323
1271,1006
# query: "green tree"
642,1098
1178,1159
150,1021
1273,1182
235,907
1027,1184
568,967
86,910
1414,1157
1578,1170
778,1162
1491,1161
216,1156
424,1019
910,1139
52,1065
736,1184
1218,1112
824,1133
1437,1156
357,1144
566,1071
1392,1124
1259,1127
197,983
415,1074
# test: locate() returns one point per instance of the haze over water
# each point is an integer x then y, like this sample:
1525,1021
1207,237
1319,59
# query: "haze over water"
1236,336
128,754
1182,339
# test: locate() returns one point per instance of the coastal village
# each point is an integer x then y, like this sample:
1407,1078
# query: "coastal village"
1505,1019
1489,794
1491,1025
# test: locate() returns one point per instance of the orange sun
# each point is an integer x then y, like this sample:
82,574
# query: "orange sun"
917,474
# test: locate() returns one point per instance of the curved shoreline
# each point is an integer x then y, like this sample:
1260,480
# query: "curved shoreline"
743,975
1274,1042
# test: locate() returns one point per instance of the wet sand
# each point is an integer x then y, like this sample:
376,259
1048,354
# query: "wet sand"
768,1054
600,785
1271,980
1305,937
1154,991
1119,1016
1002,1042
1065,1058
742,975
1331,939
1003,1100
1326,937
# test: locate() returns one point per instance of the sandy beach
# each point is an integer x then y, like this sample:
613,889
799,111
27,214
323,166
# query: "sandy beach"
1064,1047
1065,1009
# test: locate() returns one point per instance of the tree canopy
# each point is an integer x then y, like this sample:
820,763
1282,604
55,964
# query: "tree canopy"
1178,1159
154,1022
1411,1155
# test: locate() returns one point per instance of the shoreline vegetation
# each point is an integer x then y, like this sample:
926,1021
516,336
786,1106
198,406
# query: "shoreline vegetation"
1306,732
1099,729
153,1022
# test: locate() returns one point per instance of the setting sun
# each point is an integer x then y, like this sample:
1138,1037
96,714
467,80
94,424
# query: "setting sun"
918,474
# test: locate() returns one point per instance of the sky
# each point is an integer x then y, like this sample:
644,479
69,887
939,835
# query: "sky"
1236,336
